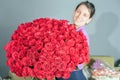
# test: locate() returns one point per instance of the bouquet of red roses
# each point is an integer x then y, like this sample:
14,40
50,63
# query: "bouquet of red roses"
46,48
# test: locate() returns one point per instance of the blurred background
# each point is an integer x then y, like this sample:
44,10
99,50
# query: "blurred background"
103,29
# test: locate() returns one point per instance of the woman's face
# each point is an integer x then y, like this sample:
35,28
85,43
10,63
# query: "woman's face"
81,16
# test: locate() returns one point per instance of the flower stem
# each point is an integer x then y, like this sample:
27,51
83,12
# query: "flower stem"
32,78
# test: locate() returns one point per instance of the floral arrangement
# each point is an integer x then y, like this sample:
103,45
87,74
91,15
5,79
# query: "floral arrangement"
103,71
98,64
46,48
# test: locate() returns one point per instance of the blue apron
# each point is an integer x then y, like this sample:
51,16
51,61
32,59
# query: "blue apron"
75,75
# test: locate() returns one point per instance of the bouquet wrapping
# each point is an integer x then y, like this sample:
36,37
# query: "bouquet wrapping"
46,48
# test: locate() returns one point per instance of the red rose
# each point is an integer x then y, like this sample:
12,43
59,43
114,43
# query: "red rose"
66,75
26,72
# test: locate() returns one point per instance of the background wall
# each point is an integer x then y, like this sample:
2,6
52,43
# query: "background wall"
103,30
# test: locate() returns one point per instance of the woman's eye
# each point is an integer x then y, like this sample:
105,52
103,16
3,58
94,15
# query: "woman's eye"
85,15
78,11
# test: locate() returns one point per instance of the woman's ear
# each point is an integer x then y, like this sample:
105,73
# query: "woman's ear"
88,20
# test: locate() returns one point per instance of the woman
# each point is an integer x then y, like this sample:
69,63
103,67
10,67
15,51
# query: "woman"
82,15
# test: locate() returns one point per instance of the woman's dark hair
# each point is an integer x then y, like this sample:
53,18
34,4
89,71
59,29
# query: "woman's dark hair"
117,63
89,5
